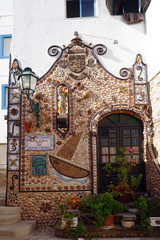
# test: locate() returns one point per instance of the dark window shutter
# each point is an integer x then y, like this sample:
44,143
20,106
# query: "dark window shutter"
73,8
115,7
145,4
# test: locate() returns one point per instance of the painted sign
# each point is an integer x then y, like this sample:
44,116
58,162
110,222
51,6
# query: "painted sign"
39,142
39,165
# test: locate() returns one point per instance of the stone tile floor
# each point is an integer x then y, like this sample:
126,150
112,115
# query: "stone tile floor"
48,234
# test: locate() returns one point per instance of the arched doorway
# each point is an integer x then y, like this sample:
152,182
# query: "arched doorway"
115,131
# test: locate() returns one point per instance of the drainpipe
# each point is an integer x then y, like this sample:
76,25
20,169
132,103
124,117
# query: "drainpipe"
139,6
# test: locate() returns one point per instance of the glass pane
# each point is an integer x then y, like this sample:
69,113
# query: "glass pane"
136,157
123,118
129,157
7,44
126,142
104,133
133,121
105,122
112,141
135,132
112,133
112,158
136,148
113,150
135,141
105,159
73,8
126,133
104,142
104,150
87,8
114,118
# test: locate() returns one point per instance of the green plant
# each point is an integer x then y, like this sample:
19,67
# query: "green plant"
68,211
142,205
103,206
121,168
67,218
68,215
79,230
153,204
135,181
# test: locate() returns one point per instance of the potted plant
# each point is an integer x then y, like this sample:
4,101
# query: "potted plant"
153,203
124,188
142,205
104,207
68,218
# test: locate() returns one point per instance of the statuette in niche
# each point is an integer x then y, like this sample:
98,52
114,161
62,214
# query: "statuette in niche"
62,109
63,95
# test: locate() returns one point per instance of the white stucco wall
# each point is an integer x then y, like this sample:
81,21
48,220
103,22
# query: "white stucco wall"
40,24
153,59
153,38
6,25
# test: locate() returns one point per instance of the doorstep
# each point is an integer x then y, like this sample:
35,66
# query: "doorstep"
116,232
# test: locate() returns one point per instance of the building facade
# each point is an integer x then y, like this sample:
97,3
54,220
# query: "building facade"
92,98
6,24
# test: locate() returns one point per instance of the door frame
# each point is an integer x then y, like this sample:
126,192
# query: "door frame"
119,143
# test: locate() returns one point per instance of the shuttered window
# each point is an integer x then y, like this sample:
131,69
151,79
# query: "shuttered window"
118,7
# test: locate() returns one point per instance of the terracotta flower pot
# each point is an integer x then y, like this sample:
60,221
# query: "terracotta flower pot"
109,222
123,197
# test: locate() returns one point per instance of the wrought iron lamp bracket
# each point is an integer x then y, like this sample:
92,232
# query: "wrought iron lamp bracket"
35,108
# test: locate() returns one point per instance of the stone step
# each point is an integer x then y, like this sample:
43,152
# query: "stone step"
9,219
2,201
9,210
17,230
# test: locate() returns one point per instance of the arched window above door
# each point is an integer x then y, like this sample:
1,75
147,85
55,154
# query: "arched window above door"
120,120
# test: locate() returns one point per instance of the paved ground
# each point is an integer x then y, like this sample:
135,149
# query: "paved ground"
48,234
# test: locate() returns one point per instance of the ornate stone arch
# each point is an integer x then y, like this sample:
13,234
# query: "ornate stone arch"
140,113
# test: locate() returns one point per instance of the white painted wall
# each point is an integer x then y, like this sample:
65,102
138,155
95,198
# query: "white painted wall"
40,24
153,38
153,59
6,25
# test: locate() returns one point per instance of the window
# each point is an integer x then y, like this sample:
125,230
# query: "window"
118,7
4,96
80,8
5,43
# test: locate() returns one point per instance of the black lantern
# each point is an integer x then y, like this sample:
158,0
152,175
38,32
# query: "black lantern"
28,81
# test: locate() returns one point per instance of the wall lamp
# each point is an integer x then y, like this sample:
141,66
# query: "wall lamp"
28,81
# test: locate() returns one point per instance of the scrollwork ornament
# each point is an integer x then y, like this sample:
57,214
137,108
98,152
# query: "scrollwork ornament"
13,178
99,49
139,68
125,73
54,51
17,124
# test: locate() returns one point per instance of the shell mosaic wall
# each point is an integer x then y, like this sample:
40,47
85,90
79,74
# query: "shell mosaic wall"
58,159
